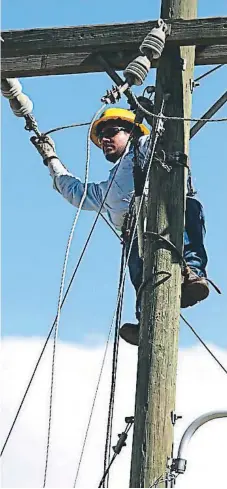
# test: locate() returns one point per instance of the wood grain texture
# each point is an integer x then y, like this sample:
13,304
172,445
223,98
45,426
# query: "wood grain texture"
160,308
52,51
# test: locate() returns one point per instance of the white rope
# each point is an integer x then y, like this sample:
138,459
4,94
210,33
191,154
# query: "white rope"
117,302
173,118
61,292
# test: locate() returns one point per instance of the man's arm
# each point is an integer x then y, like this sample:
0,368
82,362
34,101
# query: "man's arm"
70,187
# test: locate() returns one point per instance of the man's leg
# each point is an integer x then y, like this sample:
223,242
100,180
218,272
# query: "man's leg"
129,331
194,287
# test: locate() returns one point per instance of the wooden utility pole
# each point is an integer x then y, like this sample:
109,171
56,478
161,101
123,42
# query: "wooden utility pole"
158,348
77,49
63,50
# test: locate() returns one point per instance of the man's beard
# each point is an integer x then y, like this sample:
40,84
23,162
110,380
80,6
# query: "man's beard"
112,157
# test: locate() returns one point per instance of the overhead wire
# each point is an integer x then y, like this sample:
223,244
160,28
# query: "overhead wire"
174,118
158,116
56,326
57,319
204,344
92,408
117,449
106,347
60,128
61,298
111,227
93,403
107,452
209,72
150,152
53,324
79,124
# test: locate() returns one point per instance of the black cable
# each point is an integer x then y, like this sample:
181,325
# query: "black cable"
114,366
117,449
150,153
107,451
60,128
111,227
93,403
204,344
52,327
208,72
102,482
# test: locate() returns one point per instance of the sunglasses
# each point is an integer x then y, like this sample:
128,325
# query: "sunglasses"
109,132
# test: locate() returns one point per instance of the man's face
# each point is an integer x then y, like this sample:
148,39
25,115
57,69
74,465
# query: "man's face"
113,142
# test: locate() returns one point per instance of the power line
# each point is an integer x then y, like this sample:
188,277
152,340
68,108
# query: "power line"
204,344
92,407
208,72
114,369
117,449
174,118
104,356
150,151
63,301
60,128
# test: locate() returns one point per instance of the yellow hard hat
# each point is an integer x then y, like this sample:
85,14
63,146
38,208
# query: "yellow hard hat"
111,114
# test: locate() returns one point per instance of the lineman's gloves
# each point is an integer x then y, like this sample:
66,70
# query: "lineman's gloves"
45,146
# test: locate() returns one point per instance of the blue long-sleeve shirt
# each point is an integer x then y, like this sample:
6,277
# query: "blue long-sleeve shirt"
119,196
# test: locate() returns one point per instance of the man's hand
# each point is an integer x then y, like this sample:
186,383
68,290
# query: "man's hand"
45,146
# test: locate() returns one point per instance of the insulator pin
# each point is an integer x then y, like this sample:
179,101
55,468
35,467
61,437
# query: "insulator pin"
21,105
11,88
137,70
153,44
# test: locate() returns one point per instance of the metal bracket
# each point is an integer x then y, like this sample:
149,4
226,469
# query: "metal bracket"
129,419
168,29
178,465
183,64
177,158
116,78
193,84
175,417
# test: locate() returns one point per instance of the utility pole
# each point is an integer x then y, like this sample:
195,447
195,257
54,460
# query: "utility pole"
79,49
158,348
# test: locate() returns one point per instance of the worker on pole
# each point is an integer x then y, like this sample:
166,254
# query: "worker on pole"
112,133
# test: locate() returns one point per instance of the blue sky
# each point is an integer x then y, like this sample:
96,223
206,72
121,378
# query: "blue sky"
36,220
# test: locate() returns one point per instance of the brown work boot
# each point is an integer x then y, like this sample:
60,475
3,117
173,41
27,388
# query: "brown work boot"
130,333
194,289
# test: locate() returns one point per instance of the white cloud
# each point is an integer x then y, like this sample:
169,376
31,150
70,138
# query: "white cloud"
201,387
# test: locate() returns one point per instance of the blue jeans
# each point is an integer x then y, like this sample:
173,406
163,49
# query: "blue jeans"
194,251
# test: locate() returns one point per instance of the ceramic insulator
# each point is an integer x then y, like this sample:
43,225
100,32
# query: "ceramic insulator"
21,105
10,88
153,44
137,70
